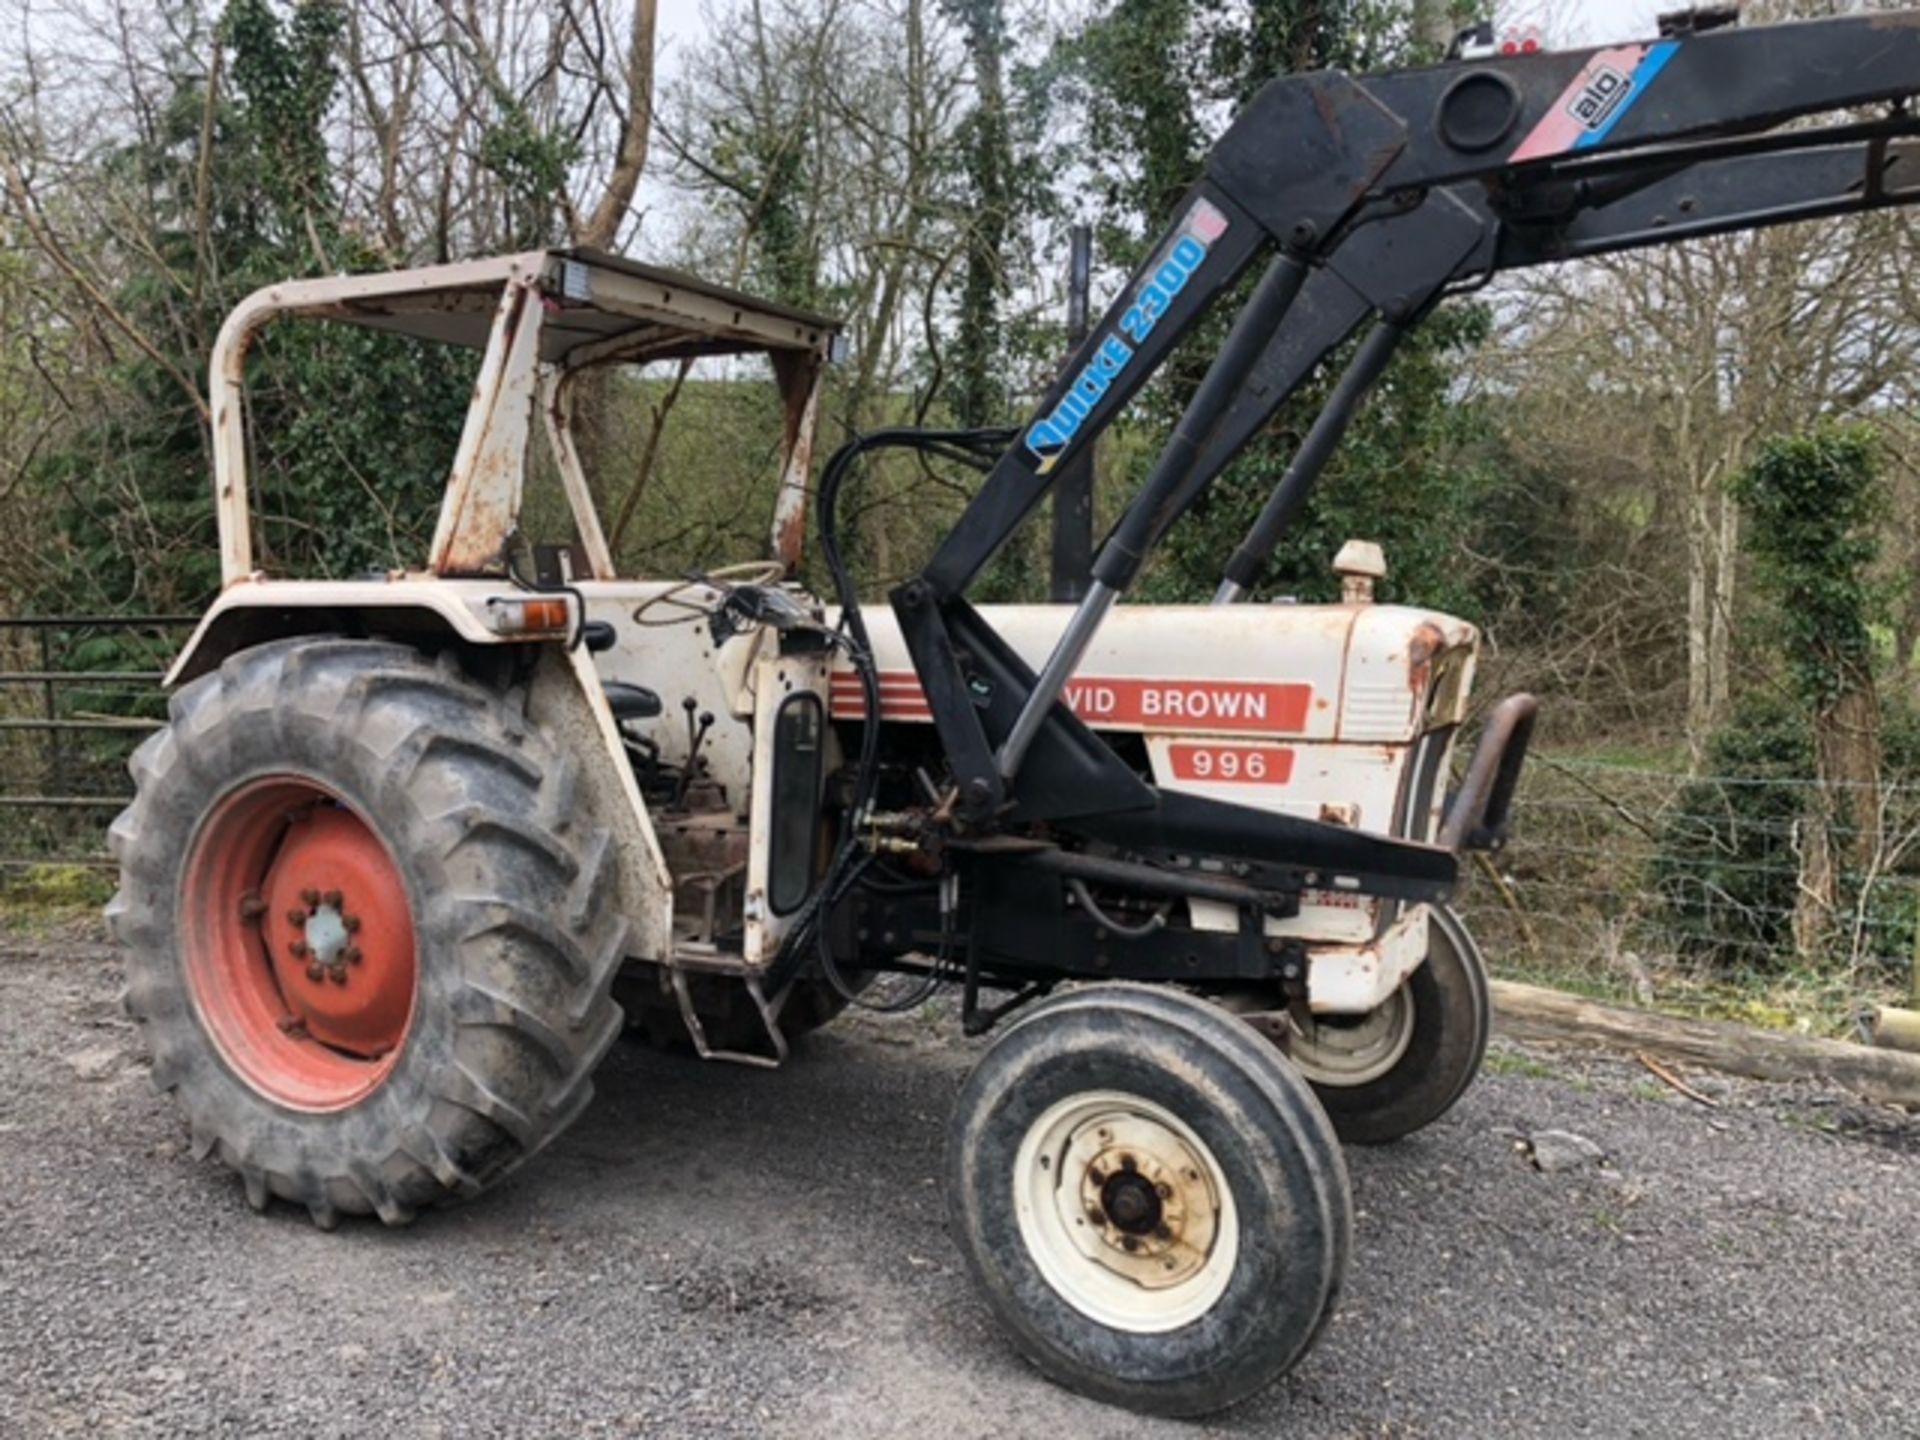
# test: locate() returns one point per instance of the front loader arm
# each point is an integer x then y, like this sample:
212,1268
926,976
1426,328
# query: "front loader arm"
1373,198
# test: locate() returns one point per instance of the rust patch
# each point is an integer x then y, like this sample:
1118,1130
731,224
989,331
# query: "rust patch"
483,496
1428,641
486,518
707,855
799,378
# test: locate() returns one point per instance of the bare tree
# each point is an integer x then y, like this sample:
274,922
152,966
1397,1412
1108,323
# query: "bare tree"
1674,363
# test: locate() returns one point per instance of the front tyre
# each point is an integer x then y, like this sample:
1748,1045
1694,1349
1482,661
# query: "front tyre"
1384,1075
1150,1199
368,924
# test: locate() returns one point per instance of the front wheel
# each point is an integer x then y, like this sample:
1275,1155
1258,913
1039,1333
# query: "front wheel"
1399,1068
1150,1199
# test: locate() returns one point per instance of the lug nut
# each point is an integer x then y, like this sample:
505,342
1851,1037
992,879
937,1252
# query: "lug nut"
252,907
351,955
298,949
333,898
338,974
1097,1175
297,917
316,972
352,922
310,897
1126,1163
1161,1232
1096,1215
1163,1190
1129,1244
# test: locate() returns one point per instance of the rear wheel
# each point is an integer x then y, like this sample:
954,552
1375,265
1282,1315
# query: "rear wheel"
368,924
1386,1074
1150,1199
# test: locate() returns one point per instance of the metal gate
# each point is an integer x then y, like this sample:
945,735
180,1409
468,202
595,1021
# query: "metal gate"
77,694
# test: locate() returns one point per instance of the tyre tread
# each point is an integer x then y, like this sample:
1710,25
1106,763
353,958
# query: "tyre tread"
398,717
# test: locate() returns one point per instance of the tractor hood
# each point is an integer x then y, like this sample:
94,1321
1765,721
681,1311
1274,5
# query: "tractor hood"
1353,673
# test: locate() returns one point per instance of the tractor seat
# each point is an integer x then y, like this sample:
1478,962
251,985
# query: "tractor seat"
631,702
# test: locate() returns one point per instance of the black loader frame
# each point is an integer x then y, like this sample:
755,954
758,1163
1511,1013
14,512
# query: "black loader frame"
1372,199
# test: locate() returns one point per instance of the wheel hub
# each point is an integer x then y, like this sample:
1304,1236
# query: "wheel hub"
1343,1051
1125,1212
1131,1203
1146,1200
325,934
297,944
1140,1204
344,915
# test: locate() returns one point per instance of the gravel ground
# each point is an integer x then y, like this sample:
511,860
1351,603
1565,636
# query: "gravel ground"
715,1251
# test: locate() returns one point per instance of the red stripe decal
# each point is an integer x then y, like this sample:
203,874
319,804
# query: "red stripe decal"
1257,707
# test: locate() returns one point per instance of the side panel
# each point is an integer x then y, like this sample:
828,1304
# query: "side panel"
1353,785
777,677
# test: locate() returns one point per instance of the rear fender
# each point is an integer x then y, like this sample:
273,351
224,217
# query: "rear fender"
564,698
252,612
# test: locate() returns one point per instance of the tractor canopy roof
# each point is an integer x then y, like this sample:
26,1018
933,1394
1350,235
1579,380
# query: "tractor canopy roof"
600,308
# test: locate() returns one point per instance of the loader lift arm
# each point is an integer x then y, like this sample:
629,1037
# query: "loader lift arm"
1374,198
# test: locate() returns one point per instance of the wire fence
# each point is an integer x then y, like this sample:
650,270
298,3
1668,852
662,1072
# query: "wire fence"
1633,875
77,694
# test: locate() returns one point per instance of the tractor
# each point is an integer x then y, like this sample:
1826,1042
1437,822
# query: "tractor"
414,849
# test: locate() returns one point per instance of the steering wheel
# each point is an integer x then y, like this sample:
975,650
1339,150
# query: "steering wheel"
724,579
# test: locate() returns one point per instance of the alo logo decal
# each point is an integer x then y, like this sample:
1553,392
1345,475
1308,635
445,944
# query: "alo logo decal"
1603,94
1050,437
1607,88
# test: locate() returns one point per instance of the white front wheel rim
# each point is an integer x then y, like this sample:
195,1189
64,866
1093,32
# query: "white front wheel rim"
1344,1054
1125,1212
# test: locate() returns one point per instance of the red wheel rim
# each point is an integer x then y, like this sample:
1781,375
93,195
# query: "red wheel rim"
298,944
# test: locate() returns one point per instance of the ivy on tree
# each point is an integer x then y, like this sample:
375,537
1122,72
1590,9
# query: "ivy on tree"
1812,501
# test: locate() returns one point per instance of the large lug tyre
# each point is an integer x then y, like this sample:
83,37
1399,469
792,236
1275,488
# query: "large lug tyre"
1150,1199
369,926
1397,1070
